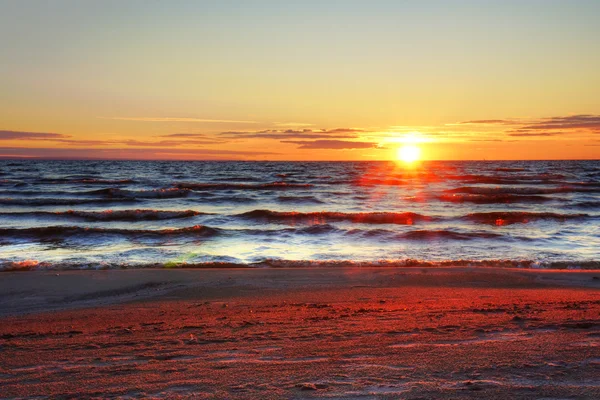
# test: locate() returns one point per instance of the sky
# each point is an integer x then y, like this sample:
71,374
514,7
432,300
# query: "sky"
302,80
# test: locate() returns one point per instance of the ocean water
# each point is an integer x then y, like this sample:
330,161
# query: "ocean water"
135,214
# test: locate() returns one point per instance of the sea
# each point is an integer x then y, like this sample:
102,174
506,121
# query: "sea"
58,215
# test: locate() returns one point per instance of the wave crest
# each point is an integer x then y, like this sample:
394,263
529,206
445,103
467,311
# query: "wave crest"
28,264
242,186
169,193
447,234
493,198
323,217
522,190
64,231
518,217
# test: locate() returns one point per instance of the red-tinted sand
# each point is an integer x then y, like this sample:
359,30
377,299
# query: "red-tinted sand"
324,333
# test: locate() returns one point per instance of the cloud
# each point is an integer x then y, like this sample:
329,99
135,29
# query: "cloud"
128,153
179,119
168,143
194,138
185,135
18,135
133,142
338,133
292,124
526,133
583,121
489,122
332,144
79,142
185,140
545,127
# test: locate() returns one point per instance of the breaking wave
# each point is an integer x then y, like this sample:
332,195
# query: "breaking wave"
27,265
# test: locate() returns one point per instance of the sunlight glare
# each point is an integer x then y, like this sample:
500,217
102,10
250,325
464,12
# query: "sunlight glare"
409,153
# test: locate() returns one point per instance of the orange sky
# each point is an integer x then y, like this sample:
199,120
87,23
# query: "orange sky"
312,81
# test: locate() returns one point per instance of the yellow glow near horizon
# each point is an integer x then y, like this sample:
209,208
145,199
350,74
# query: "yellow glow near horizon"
409,153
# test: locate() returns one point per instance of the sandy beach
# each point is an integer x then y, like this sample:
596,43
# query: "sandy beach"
301,333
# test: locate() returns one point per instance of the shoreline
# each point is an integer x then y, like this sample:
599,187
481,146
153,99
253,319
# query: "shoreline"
301,333
25,292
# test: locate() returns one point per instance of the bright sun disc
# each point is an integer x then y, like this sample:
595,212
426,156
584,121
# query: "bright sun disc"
409,153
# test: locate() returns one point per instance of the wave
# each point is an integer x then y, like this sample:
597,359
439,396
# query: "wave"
535,179
588,205
110,215
169,193
371,233
320,229
446,234
28,264
522,190
36,202
34,193
501,218
584,184
88,181
509,169
299,199
323,217
242,186
65,231
493,199
367,181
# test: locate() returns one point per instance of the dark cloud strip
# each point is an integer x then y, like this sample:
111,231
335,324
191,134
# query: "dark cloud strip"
126,154
338,133
66,139
547,127
18,135
489,122
331,144
525,133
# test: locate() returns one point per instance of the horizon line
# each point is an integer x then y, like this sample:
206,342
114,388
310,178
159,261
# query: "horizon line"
17,158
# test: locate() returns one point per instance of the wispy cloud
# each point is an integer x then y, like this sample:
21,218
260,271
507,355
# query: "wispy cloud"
18,135
584,121
129,153
489,122
175,140
544,127
292,124
186,135
526,133
486,140
194,138
180,119
337,133
332,144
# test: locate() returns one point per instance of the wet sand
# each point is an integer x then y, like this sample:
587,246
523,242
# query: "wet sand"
301,333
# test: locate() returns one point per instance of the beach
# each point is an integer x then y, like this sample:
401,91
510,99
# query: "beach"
299,200
244,333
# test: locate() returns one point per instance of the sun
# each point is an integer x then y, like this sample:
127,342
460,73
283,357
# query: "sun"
409,153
